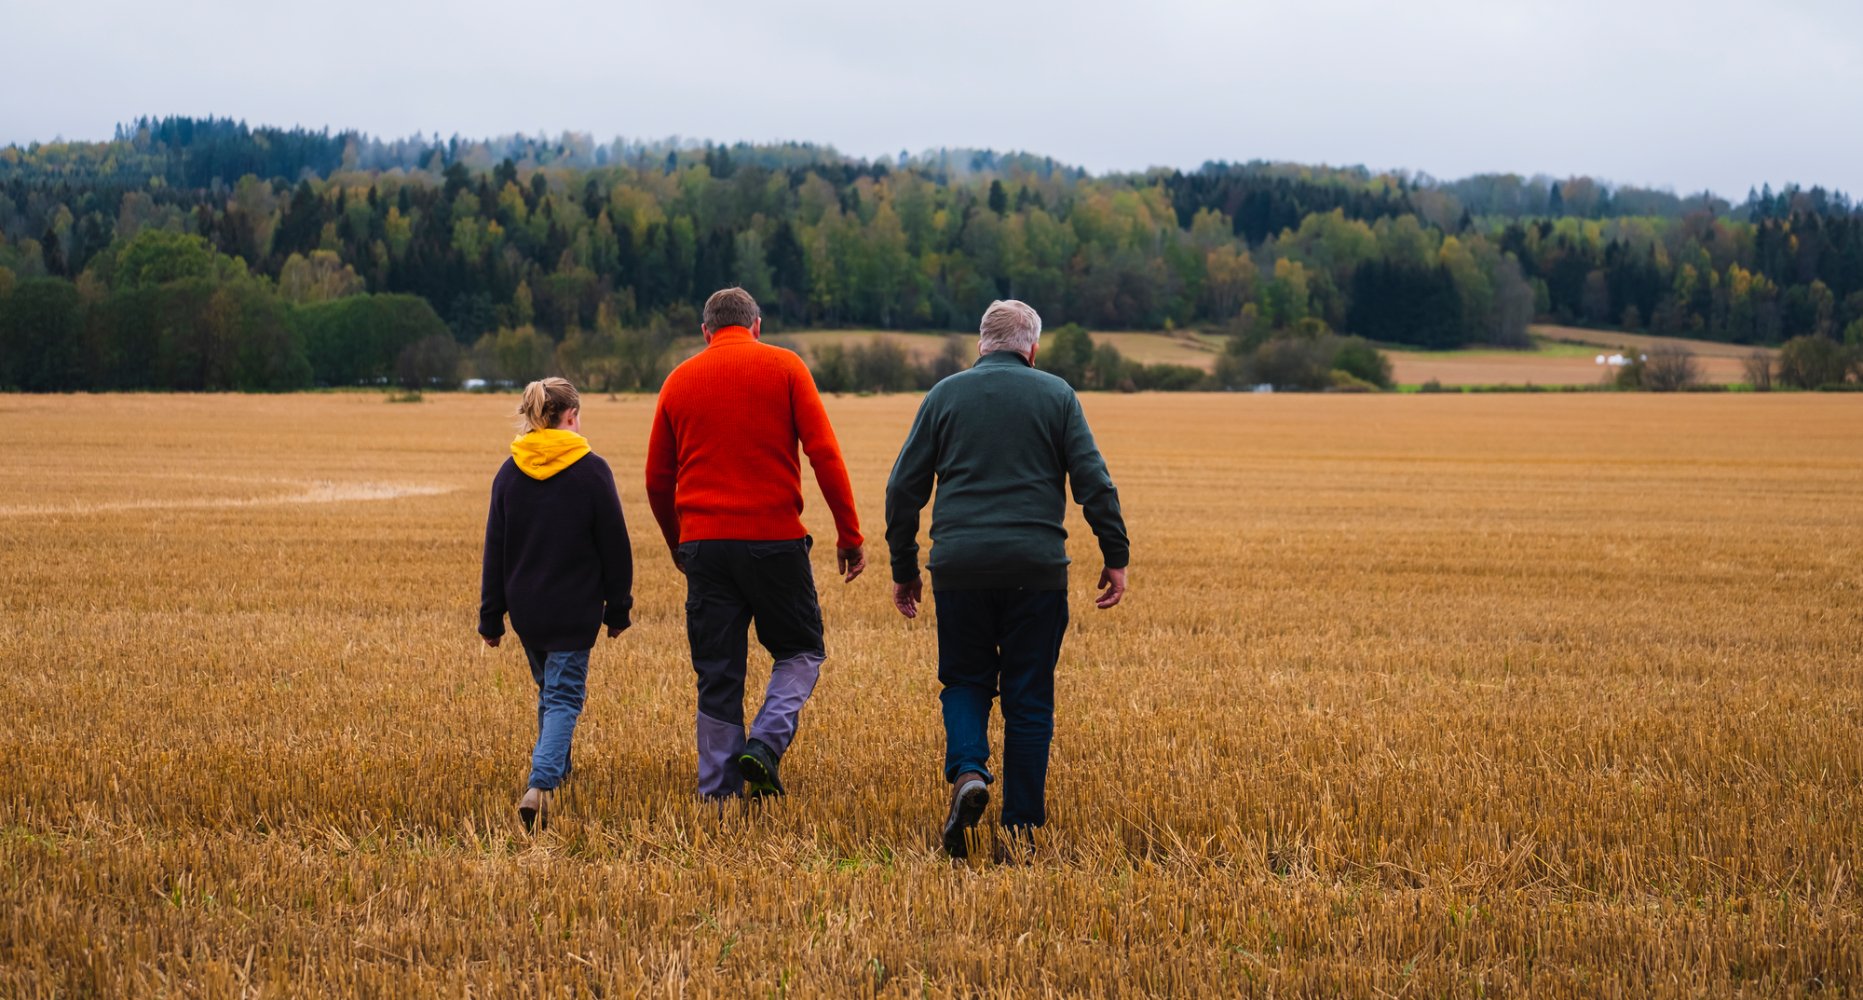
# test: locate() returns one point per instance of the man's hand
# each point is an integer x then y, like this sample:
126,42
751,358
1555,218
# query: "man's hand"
492,640
850,562
1112,587
906,596
614,631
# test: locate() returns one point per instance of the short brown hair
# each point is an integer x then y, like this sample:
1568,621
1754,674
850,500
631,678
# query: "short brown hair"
730,307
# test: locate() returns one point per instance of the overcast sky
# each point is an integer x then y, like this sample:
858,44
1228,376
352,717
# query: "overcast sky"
1704,93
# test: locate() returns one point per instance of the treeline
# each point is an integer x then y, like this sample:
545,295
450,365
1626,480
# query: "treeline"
551,244
167,311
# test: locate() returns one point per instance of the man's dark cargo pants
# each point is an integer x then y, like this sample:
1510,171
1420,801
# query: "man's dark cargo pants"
729,585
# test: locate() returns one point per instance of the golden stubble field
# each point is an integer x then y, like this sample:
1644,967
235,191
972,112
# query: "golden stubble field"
1413,696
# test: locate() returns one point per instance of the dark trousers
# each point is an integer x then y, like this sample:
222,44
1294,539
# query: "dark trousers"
1007,640
730,585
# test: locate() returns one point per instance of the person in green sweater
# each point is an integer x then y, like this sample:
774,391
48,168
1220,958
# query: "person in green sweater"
1000,441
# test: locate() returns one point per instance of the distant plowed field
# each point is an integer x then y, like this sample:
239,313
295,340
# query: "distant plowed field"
1643,341
1548,696
1542,367
1195,350
1563,355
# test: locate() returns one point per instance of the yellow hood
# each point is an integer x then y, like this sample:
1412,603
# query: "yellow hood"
542,454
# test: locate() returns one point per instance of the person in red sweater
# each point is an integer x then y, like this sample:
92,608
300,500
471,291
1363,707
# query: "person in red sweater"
725,485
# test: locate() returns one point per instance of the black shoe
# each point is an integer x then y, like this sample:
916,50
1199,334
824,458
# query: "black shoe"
970,795
757,763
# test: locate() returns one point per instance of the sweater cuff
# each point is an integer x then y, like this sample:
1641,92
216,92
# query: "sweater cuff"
1116,558
619,615
905,572
490,627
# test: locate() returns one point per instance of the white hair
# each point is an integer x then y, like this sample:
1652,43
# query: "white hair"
1009,325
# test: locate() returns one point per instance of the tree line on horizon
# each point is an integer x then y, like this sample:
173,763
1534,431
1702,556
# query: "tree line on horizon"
204,254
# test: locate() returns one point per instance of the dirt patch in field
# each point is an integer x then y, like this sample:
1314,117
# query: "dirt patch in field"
306,493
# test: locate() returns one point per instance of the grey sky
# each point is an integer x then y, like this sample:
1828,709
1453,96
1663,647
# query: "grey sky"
1708,93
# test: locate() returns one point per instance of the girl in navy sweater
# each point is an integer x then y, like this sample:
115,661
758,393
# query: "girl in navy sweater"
557,559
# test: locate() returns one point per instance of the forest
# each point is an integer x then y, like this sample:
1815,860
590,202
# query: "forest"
205,254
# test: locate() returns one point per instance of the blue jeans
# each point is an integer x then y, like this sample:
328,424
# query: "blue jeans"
1007,639
561,684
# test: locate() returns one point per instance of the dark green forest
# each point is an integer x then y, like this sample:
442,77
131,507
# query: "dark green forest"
205,254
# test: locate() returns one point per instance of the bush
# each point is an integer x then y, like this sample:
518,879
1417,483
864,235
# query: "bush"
1308,361
1167,378
1759,370
1433,385
1291,363
1067,351
1810,361
954,357
1630,376
829,366
879,365
1363,361
1345,381
882,365
1670,368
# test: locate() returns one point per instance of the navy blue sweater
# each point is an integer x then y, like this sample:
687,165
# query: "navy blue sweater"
557,557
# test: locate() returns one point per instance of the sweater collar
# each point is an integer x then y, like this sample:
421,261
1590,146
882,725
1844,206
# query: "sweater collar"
729,335
1004,358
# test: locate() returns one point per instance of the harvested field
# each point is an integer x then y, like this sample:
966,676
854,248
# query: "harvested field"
1413,695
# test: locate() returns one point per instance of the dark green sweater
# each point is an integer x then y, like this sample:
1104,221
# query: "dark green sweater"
1000,439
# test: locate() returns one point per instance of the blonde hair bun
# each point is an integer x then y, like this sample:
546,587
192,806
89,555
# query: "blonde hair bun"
544,403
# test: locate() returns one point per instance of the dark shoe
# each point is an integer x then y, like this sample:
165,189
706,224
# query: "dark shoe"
757,763
970,795
534,810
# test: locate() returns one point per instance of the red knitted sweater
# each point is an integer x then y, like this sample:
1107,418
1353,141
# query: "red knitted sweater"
721,461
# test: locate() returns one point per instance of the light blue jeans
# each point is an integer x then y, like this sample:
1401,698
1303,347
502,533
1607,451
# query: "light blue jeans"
561,684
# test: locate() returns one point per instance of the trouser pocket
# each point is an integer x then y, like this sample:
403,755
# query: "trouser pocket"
779,584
